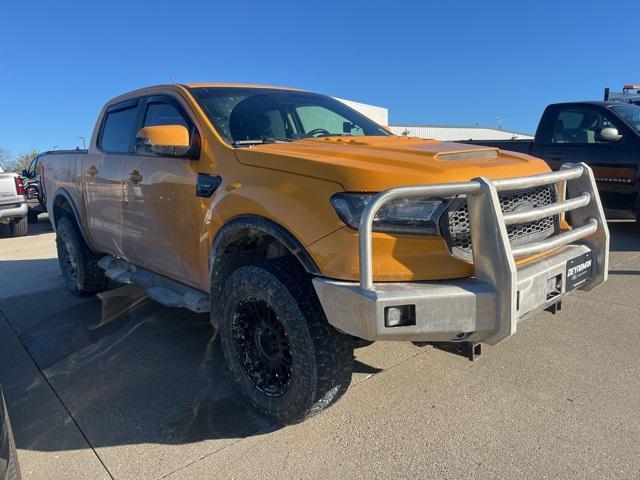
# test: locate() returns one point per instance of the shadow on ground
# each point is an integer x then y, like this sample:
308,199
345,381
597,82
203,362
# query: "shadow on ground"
625,236
131,371
42,226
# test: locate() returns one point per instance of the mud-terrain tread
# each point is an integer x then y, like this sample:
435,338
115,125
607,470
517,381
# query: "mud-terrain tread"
90,278
19,227
327,368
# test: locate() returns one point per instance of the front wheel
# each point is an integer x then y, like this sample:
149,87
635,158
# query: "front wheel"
286,358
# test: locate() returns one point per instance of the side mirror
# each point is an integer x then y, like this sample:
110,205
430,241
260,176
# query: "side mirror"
24,173
610,134
164,140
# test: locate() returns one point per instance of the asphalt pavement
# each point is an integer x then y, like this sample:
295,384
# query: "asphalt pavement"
117,386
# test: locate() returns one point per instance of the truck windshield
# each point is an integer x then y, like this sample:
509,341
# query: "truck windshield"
630,114
243,115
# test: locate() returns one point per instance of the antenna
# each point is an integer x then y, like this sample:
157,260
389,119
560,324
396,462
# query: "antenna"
172,80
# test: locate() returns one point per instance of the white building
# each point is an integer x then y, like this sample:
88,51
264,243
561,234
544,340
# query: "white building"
380,115
447,133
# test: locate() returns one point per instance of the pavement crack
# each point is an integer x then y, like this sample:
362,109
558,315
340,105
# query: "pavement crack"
260,431
591,299
55,393
404,360
624,261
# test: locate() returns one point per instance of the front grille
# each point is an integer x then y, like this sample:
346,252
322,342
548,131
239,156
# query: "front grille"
458,232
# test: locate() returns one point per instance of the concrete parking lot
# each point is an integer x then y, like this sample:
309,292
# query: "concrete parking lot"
116,386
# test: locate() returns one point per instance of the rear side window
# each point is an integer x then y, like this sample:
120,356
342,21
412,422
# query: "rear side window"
117,131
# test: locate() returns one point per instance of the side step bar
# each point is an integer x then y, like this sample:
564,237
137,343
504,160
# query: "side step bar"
159,288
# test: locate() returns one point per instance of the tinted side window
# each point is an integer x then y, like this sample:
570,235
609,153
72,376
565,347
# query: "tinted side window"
117,131
31,171
579,126
164,114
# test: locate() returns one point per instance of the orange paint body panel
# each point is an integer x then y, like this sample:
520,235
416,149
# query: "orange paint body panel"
144,208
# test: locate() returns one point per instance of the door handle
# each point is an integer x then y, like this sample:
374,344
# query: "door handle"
92,171
135,177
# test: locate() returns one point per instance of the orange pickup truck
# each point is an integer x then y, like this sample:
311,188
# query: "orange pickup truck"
304,228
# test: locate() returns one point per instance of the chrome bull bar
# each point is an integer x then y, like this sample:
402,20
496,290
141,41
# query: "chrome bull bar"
578,183
499,295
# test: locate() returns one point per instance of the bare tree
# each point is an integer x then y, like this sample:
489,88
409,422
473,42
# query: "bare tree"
18,163
4,158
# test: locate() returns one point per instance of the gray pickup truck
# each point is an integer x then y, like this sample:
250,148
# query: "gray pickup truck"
13,204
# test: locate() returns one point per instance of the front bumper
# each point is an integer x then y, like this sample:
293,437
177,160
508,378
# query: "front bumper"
7,212
487,307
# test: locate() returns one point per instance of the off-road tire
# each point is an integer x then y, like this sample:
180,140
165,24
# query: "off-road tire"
321,358
19,227
32,216
78,264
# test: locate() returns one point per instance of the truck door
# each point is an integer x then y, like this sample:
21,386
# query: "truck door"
103,170
161,214
573,135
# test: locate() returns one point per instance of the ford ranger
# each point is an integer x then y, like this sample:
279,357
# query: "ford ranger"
303,227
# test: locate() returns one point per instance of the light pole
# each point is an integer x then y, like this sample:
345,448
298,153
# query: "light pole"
84,143
500,120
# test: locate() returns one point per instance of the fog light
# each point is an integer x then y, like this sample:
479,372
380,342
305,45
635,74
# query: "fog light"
400,316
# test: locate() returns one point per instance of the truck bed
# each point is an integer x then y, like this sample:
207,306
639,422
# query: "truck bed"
8,192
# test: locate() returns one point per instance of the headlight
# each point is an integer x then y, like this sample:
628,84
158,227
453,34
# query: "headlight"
414,215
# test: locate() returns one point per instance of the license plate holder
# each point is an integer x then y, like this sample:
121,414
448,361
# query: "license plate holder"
579,271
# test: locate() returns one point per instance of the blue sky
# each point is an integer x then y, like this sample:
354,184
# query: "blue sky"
444,62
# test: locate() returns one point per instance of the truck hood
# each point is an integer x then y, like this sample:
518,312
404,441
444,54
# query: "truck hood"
377,163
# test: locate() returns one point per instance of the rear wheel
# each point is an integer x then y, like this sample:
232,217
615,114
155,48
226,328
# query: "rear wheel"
78,264
32,216
19,227
288,361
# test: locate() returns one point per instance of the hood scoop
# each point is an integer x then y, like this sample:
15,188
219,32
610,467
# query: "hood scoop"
480,153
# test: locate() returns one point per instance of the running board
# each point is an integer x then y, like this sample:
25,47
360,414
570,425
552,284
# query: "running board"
159,288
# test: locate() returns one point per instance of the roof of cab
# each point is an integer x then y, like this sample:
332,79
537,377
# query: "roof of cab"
235,85
155,88
602,103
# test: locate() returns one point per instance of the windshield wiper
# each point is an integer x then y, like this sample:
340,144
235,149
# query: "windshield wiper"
247,143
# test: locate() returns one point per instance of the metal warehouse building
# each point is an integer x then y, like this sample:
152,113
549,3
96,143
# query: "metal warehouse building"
447,133
454,133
